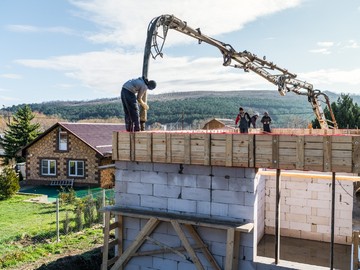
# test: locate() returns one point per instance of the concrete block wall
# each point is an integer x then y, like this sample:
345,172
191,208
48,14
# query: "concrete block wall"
306,208
219,192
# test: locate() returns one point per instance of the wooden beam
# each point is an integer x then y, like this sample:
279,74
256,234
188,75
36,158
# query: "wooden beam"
105,258
140,238
355,261
356,154
207,149
187,148
115,146
230,243
132,146
275,151
228,150
168,147
201,243
186,244
327,153
251,151
300,152
120,236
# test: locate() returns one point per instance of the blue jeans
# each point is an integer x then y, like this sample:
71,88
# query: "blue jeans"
131,110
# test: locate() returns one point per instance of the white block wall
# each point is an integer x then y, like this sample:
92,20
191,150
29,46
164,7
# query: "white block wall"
224,193
305,208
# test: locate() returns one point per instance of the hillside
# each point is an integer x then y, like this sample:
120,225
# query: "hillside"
192,108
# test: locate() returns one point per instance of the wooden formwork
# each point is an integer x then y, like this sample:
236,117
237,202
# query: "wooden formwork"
326,153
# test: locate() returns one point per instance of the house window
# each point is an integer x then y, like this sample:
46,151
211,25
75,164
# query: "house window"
63,140
76,168
48,167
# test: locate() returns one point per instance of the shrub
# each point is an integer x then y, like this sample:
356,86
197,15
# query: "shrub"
9,183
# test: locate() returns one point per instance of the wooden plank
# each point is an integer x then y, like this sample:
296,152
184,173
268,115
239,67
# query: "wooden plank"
139,240
186,244
356,154
251,151
105,258
207,149
168,147
204,249
187,149
355,256
132,146
230,242
327,153
228,150
115,145
120,236
275,152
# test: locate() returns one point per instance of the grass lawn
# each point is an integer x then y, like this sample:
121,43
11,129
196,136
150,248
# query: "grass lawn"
28,233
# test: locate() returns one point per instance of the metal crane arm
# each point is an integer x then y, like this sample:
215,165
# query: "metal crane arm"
282,78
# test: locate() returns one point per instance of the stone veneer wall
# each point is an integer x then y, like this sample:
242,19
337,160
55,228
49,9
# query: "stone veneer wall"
306,208
226,193
46,148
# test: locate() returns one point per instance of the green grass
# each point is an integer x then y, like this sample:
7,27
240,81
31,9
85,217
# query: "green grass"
28,232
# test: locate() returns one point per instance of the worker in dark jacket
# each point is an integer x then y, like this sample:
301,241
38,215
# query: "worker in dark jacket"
266,120
253,120
132,94
243,119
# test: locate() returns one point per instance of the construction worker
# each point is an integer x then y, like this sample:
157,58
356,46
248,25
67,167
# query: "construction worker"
266,120
132,94
243,118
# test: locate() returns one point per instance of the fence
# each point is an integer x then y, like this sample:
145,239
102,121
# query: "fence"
34,223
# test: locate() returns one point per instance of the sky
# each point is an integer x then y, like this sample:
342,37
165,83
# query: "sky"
78,50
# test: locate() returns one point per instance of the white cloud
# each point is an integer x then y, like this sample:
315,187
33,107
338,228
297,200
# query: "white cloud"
339,81
321,51
10,76
352,44
36,29
124,22
325,44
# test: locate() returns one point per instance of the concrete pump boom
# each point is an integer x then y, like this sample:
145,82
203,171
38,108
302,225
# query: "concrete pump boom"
282,78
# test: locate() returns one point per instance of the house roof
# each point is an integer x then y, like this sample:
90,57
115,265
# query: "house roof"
96,135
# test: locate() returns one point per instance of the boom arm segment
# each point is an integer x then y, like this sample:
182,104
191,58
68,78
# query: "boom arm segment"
282,78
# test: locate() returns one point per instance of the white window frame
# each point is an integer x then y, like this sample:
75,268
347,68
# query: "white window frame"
77,168
63,140
47,165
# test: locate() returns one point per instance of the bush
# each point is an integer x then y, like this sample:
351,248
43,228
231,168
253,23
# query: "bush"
9,183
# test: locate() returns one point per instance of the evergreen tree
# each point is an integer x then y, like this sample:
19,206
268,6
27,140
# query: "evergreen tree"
346,112
20,131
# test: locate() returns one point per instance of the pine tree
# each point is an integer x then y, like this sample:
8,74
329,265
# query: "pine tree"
346,112
19,133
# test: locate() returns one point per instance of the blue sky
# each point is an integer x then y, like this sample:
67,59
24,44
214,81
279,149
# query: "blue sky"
86,49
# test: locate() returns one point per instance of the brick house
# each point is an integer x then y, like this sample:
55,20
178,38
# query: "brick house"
79,152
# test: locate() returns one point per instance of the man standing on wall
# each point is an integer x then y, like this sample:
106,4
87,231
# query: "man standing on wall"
243,119
132,94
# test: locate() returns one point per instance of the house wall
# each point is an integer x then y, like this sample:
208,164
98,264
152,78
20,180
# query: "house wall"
219,192
305,207
46,148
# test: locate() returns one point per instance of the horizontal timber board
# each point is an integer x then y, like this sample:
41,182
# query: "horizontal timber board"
326,153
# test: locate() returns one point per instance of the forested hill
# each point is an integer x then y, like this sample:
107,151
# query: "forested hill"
192,107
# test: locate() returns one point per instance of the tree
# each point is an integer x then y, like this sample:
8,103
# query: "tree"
9,183
346,112
19,133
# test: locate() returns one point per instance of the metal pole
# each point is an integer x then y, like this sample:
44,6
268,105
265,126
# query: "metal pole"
57,221
332,221
277,217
